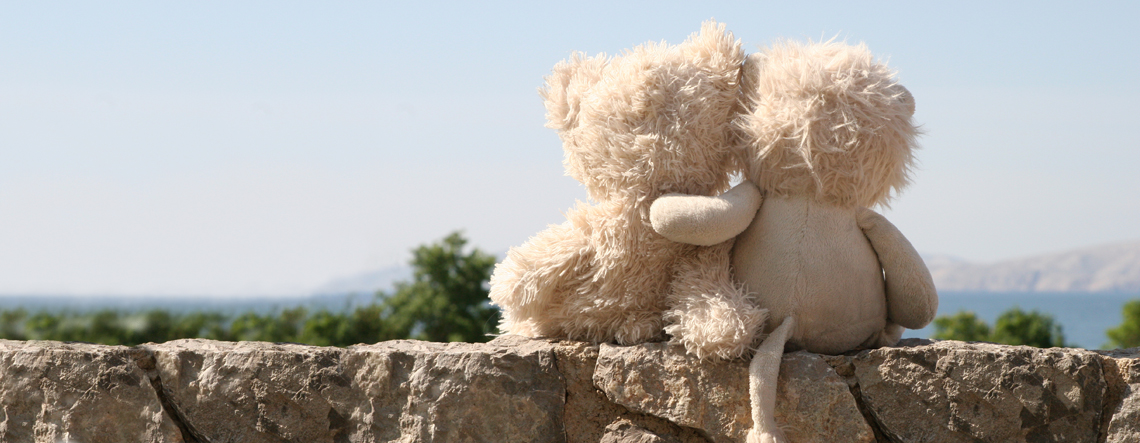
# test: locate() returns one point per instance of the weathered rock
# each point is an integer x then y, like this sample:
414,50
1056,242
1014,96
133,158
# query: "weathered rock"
814,404
624,431
468,392
517,389
404,391
1122,372
58,392
589,415
955,391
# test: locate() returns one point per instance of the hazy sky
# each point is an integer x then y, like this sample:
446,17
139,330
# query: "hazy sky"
232,148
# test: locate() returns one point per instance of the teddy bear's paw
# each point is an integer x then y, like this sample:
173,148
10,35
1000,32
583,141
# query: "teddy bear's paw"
757,436
638,328
717,329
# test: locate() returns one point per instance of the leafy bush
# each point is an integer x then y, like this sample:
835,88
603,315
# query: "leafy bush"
1013,327
1033,328
964,325
1127,334
447,300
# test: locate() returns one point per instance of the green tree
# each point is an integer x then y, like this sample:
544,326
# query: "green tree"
12,324
964,325
447,297
44,326
325,328
285,327
1033,328
1127,333
445,301
1013,327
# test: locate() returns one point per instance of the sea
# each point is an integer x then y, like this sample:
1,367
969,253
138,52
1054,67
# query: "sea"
1084,317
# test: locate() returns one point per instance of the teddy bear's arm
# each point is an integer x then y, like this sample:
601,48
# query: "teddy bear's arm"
912,300
705,221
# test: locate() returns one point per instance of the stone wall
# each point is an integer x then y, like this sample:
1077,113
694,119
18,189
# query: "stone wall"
519,390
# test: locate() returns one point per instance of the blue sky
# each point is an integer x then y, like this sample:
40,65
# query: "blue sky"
224,148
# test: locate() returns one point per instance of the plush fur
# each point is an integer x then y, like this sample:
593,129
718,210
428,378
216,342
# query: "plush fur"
651,121
710,314
827,121
826,131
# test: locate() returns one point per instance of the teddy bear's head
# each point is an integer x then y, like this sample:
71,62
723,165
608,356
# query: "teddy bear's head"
826,121
653,120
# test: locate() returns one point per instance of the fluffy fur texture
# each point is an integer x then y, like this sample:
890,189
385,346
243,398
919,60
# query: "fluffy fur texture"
710,314
651,121
828,121
828,132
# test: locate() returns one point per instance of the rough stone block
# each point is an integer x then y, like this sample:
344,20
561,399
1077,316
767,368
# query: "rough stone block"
63,392
813,405
952,391
405,391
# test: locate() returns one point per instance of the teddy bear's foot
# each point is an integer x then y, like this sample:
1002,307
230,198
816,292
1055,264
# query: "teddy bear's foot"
773,436
639,328
716,327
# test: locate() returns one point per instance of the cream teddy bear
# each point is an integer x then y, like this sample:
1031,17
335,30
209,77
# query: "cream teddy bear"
652,121
826,134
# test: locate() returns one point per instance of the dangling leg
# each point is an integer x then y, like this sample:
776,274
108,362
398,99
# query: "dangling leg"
709,313
762,375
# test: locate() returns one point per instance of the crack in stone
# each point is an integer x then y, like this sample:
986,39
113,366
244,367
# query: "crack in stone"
189,434
844,367
1114,386
880,436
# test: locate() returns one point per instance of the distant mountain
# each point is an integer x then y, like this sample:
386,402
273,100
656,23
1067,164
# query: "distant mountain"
1106,268
366,282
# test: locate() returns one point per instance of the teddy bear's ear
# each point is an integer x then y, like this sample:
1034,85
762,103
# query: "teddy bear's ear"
568,86
714,48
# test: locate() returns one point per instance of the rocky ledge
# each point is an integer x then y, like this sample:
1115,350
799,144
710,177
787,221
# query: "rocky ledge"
519,390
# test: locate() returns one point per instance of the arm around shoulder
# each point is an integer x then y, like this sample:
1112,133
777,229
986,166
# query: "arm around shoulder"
912,300
705,221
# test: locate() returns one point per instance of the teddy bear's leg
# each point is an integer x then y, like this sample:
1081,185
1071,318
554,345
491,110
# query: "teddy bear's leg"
530,284
889,336
639,327
762,376
709,313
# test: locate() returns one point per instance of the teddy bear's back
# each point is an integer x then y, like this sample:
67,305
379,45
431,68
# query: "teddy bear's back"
601,276
811,261
655,119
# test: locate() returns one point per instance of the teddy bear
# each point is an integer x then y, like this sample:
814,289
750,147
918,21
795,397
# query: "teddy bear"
651,121
826,133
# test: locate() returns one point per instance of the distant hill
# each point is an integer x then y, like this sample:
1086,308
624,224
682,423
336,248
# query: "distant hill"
1111,267
366,282
1105,268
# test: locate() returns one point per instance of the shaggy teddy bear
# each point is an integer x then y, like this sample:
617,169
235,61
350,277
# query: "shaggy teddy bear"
827,133
652,121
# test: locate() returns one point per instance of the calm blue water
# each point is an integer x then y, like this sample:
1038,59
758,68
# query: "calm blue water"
1083,316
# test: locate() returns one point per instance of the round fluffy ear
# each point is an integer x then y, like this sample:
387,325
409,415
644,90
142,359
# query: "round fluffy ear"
714,48
567,86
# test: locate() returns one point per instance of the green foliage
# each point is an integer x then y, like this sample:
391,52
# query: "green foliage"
446,301
1127,334
964,325
1033,328
12,324
1013,327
